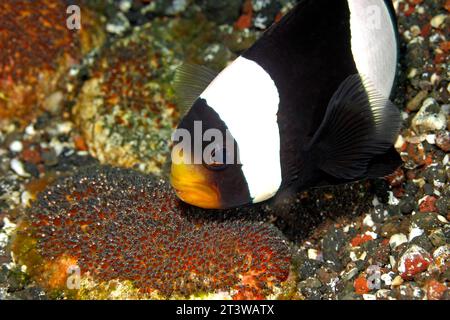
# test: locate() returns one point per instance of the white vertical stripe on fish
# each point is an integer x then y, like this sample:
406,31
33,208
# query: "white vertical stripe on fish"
247,100
373,42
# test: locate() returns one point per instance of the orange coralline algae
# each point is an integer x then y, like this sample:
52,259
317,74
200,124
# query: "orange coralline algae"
428,204
361,239
116,224
245,20
435,290
361,285
36,47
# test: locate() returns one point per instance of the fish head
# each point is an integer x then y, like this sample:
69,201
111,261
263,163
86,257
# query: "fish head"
227,151
206,171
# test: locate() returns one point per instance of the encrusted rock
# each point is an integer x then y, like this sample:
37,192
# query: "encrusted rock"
443,140
430,118
413,261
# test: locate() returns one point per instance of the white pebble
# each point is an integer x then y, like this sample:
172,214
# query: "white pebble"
3,240
65,127
441,251
446,159
424,121
435,79
8,227
26,198
412,73
54,101
371,234
18,167
368,221
417,40
57,146
428,102
436,38
405,115
30,130
392,261
387,278
438,20
415,232
397,239
420,182
119,26
407,35
349,275
431,139
438,184
392,199
363,256
314,254
375,201
74,71
16,146
415,30
354,257
400,142
125,5
258,5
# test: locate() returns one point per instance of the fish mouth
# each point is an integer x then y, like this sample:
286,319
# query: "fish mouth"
192,186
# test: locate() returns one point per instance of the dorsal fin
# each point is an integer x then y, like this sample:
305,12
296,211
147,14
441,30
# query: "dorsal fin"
190,81
359,124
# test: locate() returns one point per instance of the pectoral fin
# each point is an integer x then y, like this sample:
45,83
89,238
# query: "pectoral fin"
359,127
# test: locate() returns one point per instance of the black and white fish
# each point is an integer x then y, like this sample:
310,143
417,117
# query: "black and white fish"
307,105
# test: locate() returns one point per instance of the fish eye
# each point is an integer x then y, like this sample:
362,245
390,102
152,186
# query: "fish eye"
217,160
